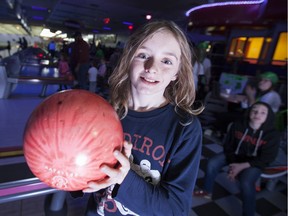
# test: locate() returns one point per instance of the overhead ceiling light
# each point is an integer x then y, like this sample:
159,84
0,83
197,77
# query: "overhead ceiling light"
38,8
47,33
106,20
64,35
38,18
11,3
58,32
106,28
127,23
148,16
90,36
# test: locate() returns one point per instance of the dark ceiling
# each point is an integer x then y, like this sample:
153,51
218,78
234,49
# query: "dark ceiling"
89,15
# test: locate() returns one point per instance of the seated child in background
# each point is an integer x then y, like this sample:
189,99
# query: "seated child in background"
250,145
265,92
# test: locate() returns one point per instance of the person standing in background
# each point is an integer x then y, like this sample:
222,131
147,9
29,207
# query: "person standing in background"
52,49
80,58
207,72
9,47
20,42
24,43
114,59
102,71
198,70
92,72
64,69
205,75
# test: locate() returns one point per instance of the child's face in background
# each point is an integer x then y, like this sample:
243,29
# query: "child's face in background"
160,56
258,114
264,84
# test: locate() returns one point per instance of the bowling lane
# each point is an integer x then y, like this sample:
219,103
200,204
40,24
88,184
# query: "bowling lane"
17,181
16,110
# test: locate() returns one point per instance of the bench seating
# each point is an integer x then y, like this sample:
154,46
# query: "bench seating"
274,172
271,173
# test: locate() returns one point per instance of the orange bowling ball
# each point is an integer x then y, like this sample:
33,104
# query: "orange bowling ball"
69,136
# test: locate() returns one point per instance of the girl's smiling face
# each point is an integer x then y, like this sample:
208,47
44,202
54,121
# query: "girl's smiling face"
155,64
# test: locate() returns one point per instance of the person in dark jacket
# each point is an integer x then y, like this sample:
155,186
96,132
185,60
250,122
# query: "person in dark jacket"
249,147
79,60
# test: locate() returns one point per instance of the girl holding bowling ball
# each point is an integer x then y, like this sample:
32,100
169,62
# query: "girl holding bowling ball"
152,90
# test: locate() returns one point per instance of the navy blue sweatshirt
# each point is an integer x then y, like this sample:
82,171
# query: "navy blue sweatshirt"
164,165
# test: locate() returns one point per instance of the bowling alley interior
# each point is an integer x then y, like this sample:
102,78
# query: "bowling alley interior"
242,40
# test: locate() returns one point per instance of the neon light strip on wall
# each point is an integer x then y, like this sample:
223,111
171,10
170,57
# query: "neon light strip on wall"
223,4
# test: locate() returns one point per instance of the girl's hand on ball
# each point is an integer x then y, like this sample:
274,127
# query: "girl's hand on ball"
114,175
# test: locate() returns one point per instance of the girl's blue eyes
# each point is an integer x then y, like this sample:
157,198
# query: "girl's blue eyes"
167,62
143,56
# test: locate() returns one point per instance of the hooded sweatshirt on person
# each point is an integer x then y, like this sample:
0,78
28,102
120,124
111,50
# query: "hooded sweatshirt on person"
257,147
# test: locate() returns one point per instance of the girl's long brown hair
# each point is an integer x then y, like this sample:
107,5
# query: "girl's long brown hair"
180,92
